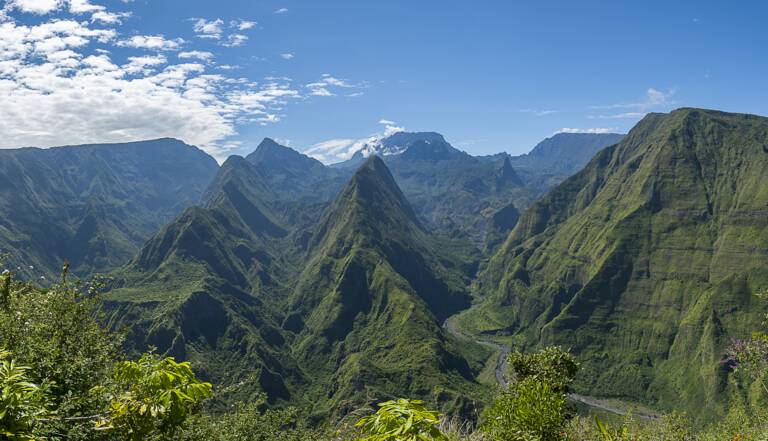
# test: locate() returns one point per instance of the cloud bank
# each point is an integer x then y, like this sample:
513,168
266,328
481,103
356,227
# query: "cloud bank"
61,84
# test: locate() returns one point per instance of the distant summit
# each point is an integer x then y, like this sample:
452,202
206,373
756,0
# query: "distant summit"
272,154
556,158
423,145
566,152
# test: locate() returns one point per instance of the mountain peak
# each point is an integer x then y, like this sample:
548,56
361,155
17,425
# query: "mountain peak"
370,201
374,184
507,173
271,153
400,142
374,164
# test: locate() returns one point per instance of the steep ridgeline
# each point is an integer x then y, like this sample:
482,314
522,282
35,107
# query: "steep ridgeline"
451,190
560,156
294,177
208,286
264,298
646,262
93,205
368,307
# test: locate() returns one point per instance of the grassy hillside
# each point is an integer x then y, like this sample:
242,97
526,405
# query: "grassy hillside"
93,205
645,262
324,314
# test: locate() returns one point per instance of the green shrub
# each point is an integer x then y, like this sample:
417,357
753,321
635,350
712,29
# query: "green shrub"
22,403
530,410
401,420
155,396
250,422
66,378
533,407
551,365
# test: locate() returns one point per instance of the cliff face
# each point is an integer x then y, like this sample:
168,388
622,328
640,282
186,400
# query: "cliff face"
646,261
93,205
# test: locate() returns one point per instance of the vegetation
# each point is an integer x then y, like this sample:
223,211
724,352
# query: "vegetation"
643,263
22,404
533,407
155,398
403,419
62,376
93,204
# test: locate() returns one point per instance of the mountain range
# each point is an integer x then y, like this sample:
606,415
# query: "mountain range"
328,287
93,205
315,315
315,283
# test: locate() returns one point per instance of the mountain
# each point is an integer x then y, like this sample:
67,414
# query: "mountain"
369,305
560,156
93,205
454,192
296,177
394,144
644,263
262,302
207,287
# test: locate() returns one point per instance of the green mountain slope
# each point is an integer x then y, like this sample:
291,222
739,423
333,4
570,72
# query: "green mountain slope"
248,288
368,307
206,287
95,204
645,262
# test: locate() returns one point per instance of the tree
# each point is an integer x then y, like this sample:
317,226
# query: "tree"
67,379
533,407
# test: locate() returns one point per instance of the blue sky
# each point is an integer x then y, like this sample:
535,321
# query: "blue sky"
490,75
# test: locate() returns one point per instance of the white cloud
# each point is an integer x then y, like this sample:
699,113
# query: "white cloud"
242,25
152,42
287,56
623,115
109,17
595,130
320,91
341,149
538,112
144,64
235,40
60,84
327,82
208,29
654,99
53,92
200,55
281,11
333,81
390,127
40,7
83,7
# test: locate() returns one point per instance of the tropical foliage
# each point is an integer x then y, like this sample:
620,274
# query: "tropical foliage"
62,376
533,407
401,420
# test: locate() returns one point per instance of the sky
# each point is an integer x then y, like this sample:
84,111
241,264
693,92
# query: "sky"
320,76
